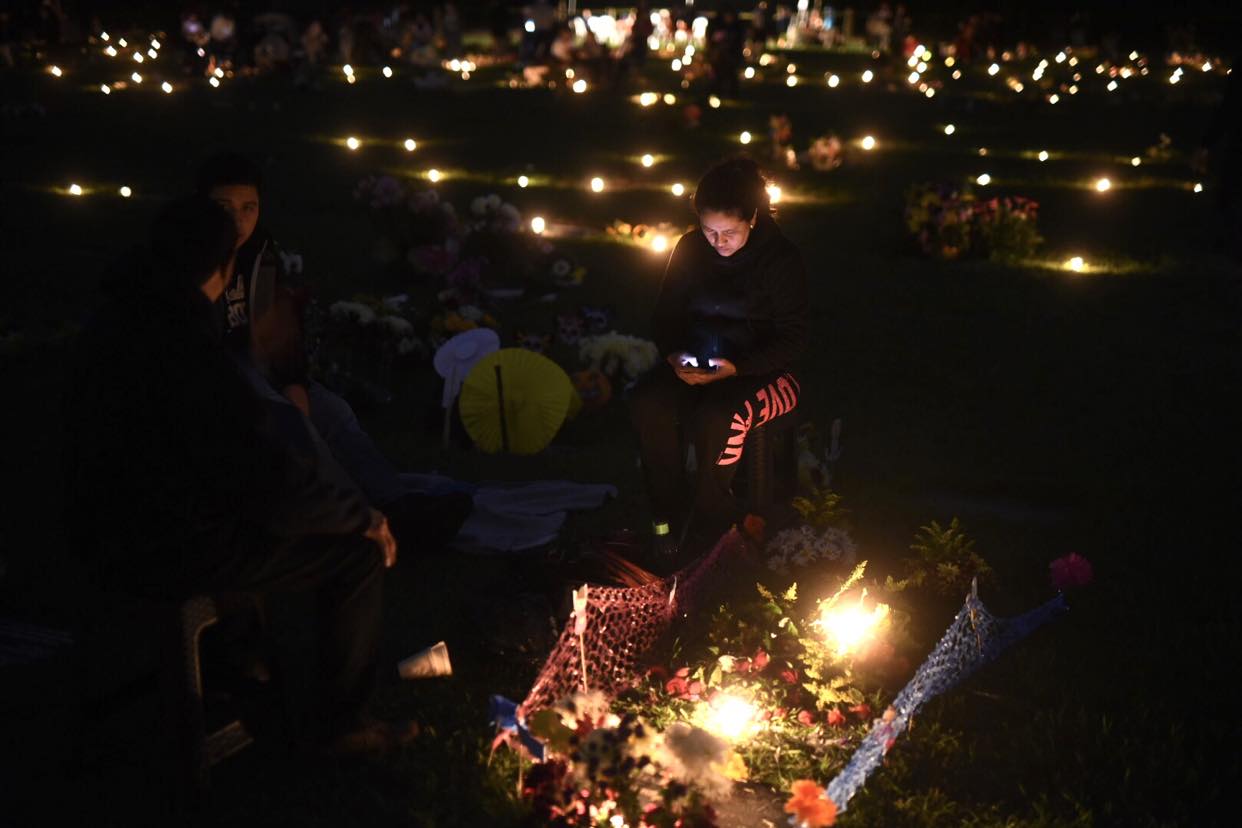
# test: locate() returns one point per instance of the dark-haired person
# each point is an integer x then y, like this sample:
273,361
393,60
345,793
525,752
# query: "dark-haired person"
182,481
730,322
264,328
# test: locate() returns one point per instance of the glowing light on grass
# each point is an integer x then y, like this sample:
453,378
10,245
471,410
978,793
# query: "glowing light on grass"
713,102
353,143
1076,264
538,225
1135,161
137,57
848,626
122,43
749,73
434,175
647,98
523,182
929,92
1060,58
136,78
386,71
410,144
1043,155
1207,66
1053,98
1134,56
647,160
791,81
868,76
597,184
151,53
774,194
104,88
791,68
957,74
678,189
983,152
347,69
125,192
75,190
868,143
744,137
949,129
167,87
730,717
994,69
55,70
214,81
1112,86
983,180
1198,188
104,36
949,61
219,73
676,65
110,51
1103,185
351,79
659,243
579,86
833,81
921,67
669,98
913,77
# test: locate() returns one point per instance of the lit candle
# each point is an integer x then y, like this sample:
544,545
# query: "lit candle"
523,181
983,180
774,194
1103,185
713,102
648,160
104,88
791,81
749,73
868,143
993,69
833,81
678,189
387,71
744,137
55,70
538,225
597,184
1135,161
410,145
74,189
214,81
353,143
660,243
670,98
949,129
580,86
434,175
1043,155
867,76
1076,264
1198,187
136,78
126,192
167,87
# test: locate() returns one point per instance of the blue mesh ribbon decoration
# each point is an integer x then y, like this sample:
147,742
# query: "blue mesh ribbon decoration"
973,639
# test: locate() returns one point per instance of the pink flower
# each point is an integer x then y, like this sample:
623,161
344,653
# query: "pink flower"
761,659
806,717
862,711
1071,571
789,676
836,718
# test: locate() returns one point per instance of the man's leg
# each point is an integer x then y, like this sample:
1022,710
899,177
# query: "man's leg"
723,418
353,448
656,403
345,573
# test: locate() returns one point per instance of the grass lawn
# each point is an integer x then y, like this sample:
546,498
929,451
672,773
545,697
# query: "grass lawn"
1051,411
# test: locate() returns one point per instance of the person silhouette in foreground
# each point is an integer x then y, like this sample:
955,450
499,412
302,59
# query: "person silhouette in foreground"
264,302
183,481
730,321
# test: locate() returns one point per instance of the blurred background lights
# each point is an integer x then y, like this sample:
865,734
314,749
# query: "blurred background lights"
352,142
597,184
75,189
678,189
949,129
868,143
538,225
648,159
983,180
434,175
126,192
523,182
744,137
1103,185
410,145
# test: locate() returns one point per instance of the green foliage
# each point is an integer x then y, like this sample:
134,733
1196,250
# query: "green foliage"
944,560
821,508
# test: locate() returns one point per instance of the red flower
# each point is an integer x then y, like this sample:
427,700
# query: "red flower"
695,689
836,718
809,806
676,687
789,676
761,659
1071,571
806,717
862,711
683,672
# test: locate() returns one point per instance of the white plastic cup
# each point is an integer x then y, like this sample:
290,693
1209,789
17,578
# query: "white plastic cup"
428,663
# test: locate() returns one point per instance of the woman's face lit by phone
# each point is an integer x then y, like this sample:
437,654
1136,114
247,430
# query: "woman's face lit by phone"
725,232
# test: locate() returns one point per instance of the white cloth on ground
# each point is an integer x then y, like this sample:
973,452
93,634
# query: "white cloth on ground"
512,517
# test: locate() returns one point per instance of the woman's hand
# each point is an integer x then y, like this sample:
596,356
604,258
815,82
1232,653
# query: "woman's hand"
381,536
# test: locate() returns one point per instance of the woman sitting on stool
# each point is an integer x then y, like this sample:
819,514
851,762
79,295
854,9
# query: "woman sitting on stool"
730,320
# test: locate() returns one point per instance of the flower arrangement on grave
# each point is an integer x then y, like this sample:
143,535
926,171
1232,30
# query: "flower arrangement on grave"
950,223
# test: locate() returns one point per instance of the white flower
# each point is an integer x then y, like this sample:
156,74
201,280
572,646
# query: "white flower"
397,326
354,311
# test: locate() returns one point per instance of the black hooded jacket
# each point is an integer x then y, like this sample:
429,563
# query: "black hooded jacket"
173,462
750,308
